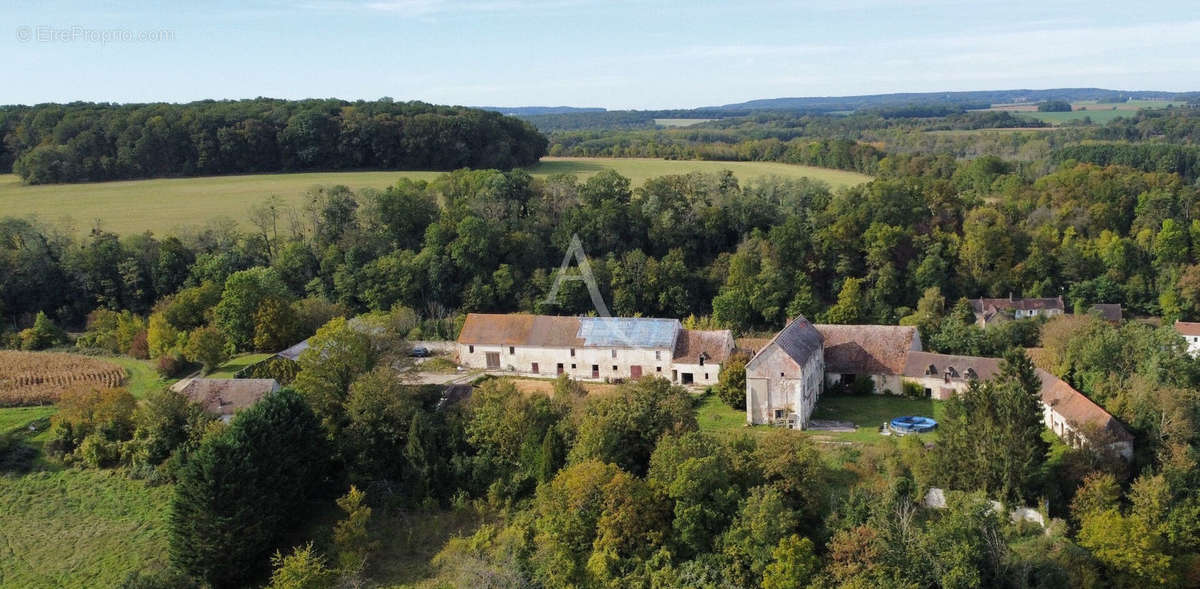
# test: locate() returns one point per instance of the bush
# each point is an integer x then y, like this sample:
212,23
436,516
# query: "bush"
170,366
913,390
97,452
731,386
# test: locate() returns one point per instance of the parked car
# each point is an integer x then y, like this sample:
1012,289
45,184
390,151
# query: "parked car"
419,352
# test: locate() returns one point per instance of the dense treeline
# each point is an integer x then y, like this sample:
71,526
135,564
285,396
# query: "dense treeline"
1148,157
81,142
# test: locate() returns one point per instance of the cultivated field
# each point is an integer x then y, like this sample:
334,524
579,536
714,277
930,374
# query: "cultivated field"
168,206
36,378
1099,113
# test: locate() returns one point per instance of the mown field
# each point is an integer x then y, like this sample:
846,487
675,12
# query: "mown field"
79,528
166,206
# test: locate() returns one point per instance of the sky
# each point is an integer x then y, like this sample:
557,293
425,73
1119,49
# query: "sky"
615,54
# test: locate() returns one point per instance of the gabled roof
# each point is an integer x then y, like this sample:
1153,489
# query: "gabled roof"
867,349
715,345
979,306
1077,409
798,339
1107,311
1187,328
1071,404
293,353
565,332
919,363
226,396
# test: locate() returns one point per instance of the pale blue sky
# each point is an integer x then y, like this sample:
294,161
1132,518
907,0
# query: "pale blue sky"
615,53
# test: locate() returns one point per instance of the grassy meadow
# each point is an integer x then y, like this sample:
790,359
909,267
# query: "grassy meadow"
79,528
1099,113
171,205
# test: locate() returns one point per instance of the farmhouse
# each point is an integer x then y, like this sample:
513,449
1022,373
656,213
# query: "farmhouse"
224,397
787,375
1067,412
593,348
1191,335
993,311
1110,312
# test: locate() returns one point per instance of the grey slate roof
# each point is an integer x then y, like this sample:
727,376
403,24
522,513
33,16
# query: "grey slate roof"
293,353
799,340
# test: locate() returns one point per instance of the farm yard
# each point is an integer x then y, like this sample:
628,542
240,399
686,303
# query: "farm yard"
171,205
38,378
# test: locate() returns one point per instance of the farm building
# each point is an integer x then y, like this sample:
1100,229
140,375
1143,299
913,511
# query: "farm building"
1111,312
808,357
224,397
877,352
993,311
785,379
795,354
593,348
1067,412
1191,334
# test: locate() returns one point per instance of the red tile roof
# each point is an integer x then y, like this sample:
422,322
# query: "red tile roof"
867,349
226,396
1187,328
715,345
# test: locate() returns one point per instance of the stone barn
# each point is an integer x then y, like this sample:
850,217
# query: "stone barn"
877,352
784,379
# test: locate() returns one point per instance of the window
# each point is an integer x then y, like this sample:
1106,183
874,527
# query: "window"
572,367
614,353
471,349
705,376
535,368
657,355
614,367
658,368
511,350
780,375
779,414
572,352
702,359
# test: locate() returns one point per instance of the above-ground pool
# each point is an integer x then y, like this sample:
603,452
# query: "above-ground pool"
913,424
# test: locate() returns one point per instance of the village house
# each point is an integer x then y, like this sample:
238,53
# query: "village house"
224,397
1191,334
993,311
1072,416
1110,312
593,348
877,352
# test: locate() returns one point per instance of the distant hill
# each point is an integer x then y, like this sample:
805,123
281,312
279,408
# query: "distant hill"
526,111
969,99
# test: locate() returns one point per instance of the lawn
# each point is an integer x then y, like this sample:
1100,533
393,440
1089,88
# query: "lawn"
17,417
142,377
79,528
230,368
867,412
169,206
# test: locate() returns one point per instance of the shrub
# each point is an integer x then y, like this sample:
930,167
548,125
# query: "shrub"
97,452
15,455
913,390
170,366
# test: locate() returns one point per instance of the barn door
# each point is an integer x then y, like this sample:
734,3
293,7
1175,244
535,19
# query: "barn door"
635,371
493,360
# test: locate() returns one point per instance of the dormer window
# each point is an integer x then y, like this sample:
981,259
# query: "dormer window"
932,370
971,375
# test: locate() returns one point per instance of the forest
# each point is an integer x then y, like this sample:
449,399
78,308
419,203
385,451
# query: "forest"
89,142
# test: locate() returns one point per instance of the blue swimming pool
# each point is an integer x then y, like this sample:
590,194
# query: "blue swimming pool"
913,424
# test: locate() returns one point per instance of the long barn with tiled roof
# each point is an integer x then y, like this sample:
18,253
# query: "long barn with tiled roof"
593,348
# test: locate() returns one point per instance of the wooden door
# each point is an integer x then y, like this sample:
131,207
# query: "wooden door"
535,368
493,360
635,371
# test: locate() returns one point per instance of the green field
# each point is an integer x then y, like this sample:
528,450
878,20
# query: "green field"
230,368
167,206
79,528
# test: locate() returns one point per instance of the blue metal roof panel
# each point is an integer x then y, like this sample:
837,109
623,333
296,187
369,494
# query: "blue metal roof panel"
633,332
